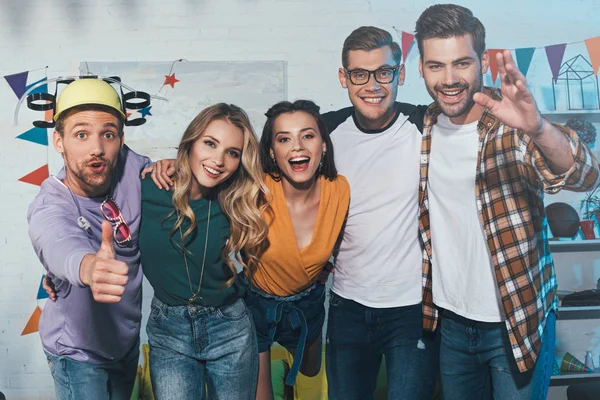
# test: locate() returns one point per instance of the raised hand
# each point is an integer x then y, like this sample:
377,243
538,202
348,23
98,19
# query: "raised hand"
105,275
161,173
517,108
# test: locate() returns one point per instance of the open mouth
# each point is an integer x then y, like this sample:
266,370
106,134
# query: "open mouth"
299,163
213,173
97,167
452,95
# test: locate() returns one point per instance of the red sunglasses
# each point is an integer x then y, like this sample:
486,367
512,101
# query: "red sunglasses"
112,213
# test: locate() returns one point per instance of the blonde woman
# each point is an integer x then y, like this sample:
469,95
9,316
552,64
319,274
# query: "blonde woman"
200,332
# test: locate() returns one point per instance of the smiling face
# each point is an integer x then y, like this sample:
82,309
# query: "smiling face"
90,142
297,146
215,156
453,74
374,102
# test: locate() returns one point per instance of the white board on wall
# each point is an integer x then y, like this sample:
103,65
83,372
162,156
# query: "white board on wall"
255,86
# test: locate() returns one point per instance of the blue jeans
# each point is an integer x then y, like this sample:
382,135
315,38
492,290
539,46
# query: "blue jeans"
74,380
195,349
358,337
476,361
294,321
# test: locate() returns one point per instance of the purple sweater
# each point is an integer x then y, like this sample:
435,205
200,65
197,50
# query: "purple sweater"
76,325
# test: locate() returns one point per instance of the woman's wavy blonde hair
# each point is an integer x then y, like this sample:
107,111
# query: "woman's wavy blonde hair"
243,196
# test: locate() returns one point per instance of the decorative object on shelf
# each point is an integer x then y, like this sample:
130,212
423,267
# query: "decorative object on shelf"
589,360
575,72
555,367
563,220
590,205
585,130
570,363
587,227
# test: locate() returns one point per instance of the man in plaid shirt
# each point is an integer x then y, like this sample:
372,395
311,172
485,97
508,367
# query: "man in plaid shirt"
487,157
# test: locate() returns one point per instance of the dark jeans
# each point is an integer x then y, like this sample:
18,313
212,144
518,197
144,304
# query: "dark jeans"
358,337
294,321
476,361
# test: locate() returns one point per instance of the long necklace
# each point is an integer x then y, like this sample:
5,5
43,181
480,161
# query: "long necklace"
195,294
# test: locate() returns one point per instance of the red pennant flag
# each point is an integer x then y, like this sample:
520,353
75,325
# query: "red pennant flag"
493,63
555,55
36,177
593,48
33,323
407,42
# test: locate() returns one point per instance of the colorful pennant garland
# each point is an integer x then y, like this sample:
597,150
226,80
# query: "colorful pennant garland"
554,54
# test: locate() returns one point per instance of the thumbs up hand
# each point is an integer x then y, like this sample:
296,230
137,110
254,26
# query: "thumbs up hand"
105,275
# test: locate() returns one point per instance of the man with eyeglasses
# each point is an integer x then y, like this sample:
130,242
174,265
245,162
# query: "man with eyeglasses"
375,306
84,228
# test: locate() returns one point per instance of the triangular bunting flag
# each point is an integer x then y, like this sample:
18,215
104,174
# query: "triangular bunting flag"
35,135
555,55
42,294
593,48
407,42
17,82
36,177
493,63
39,89
524,57
33,323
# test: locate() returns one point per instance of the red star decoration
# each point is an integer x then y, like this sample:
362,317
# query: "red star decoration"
170,80
128,114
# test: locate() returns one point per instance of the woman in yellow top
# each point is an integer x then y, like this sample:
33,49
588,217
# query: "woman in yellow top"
307,211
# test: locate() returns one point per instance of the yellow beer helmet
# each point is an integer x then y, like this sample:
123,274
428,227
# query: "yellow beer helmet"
88,91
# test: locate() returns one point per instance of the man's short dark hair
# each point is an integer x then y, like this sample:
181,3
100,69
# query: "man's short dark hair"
369,38
449,20
60,122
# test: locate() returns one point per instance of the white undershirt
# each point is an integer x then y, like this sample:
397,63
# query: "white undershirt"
464,280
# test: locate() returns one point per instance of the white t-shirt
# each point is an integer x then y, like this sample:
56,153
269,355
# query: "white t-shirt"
379,259
464,280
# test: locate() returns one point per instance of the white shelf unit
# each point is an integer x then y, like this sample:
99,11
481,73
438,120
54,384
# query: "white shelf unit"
575,313
569,378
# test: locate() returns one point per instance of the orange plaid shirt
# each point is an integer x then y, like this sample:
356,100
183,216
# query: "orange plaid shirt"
512,176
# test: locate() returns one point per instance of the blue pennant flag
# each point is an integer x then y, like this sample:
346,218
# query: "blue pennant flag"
35,135
524,57
40,89
41,292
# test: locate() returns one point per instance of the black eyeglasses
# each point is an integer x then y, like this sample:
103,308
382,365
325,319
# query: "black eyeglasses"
361,76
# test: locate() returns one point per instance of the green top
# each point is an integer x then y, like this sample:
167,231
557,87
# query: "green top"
162,258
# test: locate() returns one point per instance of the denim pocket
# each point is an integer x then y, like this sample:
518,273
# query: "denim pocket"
156,310
334,300
51,364
233,312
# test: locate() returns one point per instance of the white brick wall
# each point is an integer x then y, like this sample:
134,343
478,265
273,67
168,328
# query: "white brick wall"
307,34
